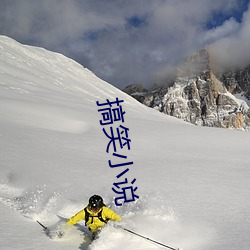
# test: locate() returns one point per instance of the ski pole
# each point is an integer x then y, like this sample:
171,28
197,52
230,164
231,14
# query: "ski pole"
159,243
45,228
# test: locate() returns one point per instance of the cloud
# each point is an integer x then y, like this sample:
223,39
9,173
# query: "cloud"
233,49
228,28
123,42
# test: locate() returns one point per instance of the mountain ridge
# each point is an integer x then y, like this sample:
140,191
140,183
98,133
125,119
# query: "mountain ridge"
201,95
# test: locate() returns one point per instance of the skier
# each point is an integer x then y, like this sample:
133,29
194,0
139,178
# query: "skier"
95,214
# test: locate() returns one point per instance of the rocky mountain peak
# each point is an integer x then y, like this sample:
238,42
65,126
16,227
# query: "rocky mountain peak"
200,96
196,64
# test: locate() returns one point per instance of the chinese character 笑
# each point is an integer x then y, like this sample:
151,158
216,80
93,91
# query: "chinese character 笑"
123,135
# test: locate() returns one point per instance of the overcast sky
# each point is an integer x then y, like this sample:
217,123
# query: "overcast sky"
131,41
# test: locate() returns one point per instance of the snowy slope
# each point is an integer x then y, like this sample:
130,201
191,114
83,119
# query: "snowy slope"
193,182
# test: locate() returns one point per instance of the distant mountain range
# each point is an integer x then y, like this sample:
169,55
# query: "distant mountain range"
202,94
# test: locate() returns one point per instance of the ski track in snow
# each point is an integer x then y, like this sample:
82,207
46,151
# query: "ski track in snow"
43,117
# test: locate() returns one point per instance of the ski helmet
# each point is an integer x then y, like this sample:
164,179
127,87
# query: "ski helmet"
96,202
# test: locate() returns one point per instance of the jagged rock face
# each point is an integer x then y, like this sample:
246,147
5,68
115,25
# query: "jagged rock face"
134,88
237,81
137,91
205,102
199,97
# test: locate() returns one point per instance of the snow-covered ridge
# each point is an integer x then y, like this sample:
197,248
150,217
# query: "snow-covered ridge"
33,74
35,68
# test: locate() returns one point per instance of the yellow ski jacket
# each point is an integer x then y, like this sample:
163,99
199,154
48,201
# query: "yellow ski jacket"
94,223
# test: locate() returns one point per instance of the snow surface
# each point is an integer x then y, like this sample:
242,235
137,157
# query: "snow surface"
193,182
